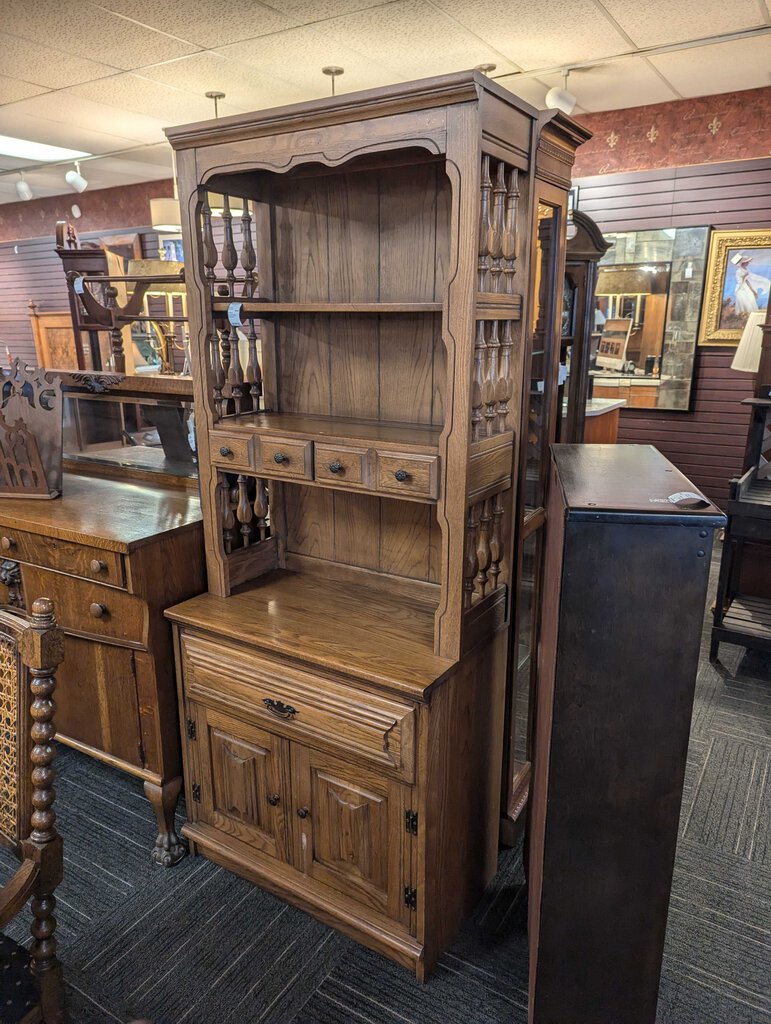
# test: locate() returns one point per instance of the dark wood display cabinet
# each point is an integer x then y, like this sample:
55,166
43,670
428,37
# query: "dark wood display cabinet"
359,340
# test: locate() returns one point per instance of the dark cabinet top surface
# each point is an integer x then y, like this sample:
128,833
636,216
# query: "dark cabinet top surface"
631,479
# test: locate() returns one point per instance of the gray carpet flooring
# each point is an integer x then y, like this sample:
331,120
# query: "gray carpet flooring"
197,945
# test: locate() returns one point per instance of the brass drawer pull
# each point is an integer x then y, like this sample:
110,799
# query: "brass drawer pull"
274,799
7,543
335,467
279,457
98,610
402,475
224,450
95,565
303,812
278,708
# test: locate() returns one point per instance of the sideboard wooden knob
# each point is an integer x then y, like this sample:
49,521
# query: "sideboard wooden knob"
8,543
224,450
98,610
97,566
402,475
280,457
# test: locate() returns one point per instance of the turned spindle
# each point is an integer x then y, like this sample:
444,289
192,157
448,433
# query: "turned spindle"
228,519
253,371
497,226
229,254
496,541
470,565
117,356
217,371
477,388
484,553
503,385
209,248
485,224
261,509
491,379
510,241
248,255
235,371
244,511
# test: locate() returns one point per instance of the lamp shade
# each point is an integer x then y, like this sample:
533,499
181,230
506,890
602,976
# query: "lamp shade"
165,216
747,358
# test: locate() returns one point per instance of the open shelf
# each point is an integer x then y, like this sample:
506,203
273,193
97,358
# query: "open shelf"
350,628
260,307
748,617
420,438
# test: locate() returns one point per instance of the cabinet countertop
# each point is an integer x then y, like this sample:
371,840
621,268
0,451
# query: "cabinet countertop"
116,515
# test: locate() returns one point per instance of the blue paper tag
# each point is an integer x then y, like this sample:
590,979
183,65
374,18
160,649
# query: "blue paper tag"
234,314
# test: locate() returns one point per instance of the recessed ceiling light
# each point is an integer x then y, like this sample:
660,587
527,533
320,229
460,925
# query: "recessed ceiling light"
23,149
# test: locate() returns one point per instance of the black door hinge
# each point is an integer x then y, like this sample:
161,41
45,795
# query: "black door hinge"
196,788
410,897
411,822
191,728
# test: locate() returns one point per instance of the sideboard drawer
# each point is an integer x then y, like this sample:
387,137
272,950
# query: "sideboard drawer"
63,556
339,465
89,608
300,705
410,475
286,457
232,451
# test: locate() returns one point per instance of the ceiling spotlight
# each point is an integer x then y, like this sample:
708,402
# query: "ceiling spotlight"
561,99
333,71
75,211
215,95
75,179
23,191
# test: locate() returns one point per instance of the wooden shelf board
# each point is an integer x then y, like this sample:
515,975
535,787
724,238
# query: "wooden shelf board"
345,628
751,615
419,438
258,307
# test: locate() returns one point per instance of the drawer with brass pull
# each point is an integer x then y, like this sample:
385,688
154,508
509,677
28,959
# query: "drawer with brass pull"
340,465
415,476
89,608
288,458
300,705
63,556
232,451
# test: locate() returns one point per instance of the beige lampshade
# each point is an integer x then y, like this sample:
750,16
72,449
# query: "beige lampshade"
165,215
747,358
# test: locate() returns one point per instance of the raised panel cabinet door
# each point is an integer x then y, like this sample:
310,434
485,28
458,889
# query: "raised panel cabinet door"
245,783
349,828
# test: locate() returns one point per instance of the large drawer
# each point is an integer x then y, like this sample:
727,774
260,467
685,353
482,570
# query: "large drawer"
300,705
63,556
89,608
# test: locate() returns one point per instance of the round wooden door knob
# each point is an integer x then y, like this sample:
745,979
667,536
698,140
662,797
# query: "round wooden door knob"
7,543
97,566
98,610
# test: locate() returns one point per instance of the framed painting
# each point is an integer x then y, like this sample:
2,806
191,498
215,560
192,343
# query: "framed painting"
738,282
611,353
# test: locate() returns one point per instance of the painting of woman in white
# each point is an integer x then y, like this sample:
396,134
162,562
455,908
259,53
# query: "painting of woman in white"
746,287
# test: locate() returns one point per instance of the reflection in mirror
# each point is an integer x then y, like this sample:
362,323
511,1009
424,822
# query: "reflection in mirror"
648,300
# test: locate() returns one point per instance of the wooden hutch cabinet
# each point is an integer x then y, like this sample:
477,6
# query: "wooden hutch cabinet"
359,331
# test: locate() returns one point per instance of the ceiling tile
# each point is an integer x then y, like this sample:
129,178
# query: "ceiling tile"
547,34
88,31
207,23
722,67
45,66
413,39
656,22
244,87
298,55
307,14
65,120
143,96
13,89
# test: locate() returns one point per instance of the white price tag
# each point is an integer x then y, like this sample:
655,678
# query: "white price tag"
234,314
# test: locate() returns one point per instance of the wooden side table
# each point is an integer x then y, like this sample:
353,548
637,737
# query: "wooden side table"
112,556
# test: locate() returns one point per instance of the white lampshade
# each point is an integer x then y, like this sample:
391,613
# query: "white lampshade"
165,215
747,358
560,99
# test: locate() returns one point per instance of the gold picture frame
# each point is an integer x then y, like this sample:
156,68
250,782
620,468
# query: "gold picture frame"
738,279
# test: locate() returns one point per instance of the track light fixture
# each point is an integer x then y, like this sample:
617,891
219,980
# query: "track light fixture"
23,191
75,179
561,99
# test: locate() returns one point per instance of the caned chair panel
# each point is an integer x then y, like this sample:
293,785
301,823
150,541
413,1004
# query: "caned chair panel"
15,766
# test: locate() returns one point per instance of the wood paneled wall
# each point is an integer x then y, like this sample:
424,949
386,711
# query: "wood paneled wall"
706,443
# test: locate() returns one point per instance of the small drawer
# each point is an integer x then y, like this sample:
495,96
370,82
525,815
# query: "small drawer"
63,556
84,607
301,705
232,451
286,457
339,466
414,476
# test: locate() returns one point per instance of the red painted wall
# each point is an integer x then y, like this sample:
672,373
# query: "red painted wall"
709,129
